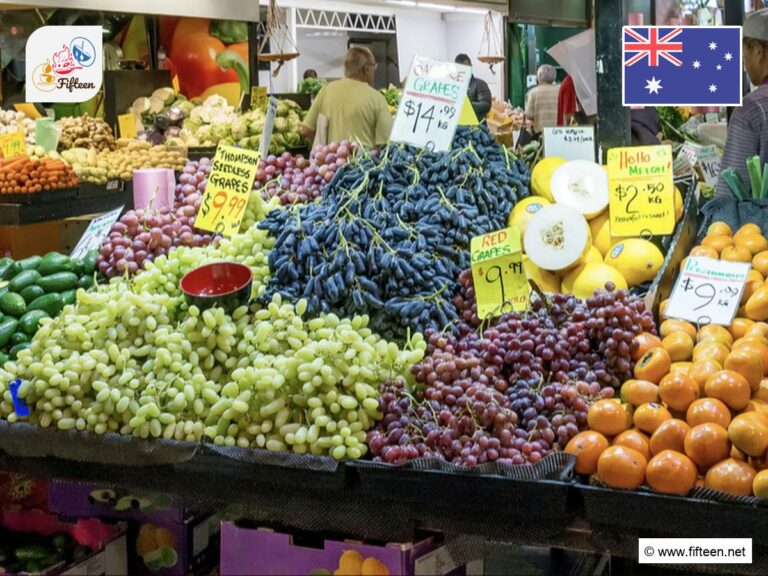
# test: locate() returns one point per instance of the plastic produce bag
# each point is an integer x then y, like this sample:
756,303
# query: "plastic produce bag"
734,213
46,134
577,56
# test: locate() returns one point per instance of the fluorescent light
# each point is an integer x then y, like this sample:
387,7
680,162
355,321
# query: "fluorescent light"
472,10
410,3
441,7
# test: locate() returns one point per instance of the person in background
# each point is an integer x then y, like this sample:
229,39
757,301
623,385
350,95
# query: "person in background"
541,108
566,102
478,92
309,73
354,110
748,127
645,125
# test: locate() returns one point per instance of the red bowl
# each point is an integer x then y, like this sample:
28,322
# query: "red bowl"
224,284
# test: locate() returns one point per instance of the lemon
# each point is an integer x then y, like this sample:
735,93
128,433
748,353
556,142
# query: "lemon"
541,176
601,233
524,210
638,260
594,276
546,280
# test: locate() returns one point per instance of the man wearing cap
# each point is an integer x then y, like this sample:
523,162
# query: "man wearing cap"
748,126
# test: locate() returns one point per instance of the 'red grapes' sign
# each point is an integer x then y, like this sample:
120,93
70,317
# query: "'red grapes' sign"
228,190
498,274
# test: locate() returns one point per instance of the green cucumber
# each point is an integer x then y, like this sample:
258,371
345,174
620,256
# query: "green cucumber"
30,293
69,297
13,304
18,348
7,329
30,263
59,282
50,303
29,322
85,282
24,279
19,338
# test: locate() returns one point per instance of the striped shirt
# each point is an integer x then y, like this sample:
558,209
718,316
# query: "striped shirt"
747,137
542,106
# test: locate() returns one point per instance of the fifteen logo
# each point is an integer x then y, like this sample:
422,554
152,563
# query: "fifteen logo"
64,64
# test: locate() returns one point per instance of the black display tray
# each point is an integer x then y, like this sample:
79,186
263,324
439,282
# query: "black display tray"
92,190
199,152
43,196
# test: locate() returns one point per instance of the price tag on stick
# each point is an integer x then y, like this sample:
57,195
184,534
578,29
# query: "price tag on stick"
269,126
431,104
13,145
641,191
498,273
229,188
97,230
708,291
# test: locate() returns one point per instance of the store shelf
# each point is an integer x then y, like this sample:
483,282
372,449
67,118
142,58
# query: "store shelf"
21,214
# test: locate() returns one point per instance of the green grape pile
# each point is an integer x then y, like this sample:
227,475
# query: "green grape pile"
257,209
145,364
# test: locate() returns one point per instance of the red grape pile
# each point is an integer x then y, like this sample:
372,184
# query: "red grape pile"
297,179
142,235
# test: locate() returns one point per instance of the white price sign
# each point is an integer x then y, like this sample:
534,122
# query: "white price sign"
269,125
708,291
97,230
431,104
570,143
706,157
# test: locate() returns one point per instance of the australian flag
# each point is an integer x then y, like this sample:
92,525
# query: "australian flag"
682,66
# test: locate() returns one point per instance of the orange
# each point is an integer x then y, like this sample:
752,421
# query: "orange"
683,367
653,366
758,329
731,476
707,444
760,262
679,345
670,472
706,410
670,435
642,343
638,392
760,484
636,440
746,230
710,350
621,467
713,332
719,228
748,364
678,391
704,252
648,417
749,433
754,243
730,387
671,325
609,417
702,370
740,326
736,254
719,243
587,447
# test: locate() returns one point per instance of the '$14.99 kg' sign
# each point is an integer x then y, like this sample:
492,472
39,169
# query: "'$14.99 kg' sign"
228,190
498,274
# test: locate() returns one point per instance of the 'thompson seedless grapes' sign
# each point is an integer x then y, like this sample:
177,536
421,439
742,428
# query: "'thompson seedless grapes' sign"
431,104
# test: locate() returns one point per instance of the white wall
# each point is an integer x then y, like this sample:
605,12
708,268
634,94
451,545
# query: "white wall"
420,32
322,50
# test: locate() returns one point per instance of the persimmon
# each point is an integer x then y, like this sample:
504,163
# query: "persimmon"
760,484
718,242
746,230
762,392
710,350
755,276
678,391
731,476
707,444
760,263
714,332
609,417
587,447
648,417
750,288
737,253
756,345
638,392
730,387
706,410
634,439
653,366
621,467
663,307
749,433
682,367
753,243
719,228
748,364
670,435
644,342
704,252
740,326
671,472
758,329
679,345
671,325
702,370
757,304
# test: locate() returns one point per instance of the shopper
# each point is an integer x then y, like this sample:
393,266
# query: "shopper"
645,125
541,108
309,73
748,127
566,102
478,92
353,109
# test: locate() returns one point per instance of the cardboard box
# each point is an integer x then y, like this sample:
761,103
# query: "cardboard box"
263,551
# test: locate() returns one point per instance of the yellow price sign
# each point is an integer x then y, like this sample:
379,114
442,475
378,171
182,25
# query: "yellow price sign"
29,110
127,125
498,273
468,116
641,191
228,190
13,145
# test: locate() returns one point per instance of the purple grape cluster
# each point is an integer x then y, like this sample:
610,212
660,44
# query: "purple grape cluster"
296,179
140,236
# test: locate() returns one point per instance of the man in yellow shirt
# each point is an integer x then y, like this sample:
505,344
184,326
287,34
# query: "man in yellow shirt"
355,111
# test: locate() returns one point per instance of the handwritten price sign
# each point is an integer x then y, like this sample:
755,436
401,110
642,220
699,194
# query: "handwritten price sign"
12,145
708,291
570,143
642,191
431,105
229,188
498,274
